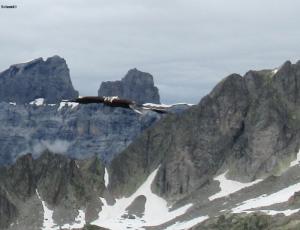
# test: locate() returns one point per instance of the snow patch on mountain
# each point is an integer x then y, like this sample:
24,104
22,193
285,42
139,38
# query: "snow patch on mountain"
187,224
267,200
274,71
68,104
37,102
156,210
296,161
48,223
229,186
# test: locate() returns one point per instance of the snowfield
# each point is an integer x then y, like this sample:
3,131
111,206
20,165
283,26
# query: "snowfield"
156,210
267,200
229,186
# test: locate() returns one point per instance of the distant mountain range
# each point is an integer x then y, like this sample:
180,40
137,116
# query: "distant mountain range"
34,119
229,162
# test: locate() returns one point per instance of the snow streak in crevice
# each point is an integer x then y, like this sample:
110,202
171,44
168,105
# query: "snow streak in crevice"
106,178
48,223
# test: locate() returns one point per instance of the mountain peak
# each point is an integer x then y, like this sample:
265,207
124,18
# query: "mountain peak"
136,85
230,84
22,65
24,82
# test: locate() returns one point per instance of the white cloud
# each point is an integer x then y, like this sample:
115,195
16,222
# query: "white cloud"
56,146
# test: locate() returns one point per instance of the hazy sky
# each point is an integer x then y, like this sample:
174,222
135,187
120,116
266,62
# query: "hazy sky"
187,45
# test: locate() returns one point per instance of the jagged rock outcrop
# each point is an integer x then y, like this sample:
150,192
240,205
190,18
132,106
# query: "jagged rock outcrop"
50,79
136,85
249,125
65,185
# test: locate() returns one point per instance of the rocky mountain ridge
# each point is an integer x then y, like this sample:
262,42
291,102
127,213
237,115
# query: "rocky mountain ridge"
249,125
229,162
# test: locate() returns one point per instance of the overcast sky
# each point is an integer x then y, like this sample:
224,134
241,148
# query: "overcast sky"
187,45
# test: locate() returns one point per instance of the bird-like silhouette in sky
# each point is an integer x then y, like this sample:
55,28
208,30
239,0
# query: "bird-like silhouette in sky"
115,101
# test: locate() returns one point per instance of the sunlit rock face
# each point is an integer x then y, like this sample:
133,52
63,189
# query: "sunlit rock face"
49,79
136,85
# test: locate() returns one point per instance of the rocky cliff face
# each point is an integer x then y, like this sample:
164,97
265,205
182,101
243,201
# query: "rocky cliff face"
136,85
50,79
248,125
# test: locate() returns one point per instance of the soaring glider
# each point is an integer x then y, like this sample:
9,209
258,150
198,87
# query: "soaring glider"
119,102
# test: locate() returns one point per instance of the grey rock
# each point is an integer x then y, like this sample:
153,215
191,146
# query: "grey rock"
137,207
50,79
8,211
136,85
240,222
